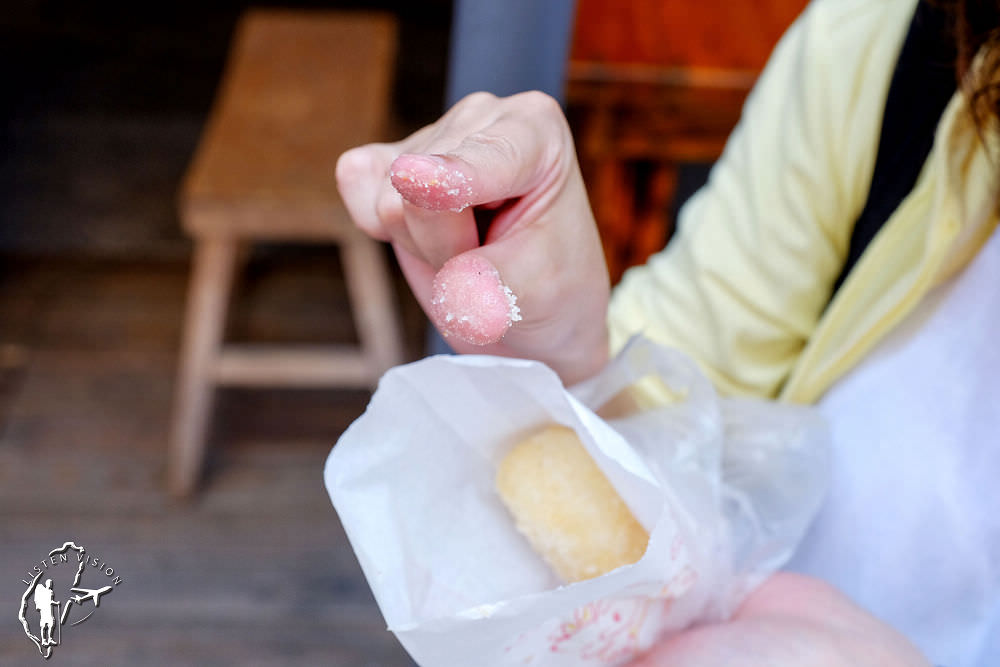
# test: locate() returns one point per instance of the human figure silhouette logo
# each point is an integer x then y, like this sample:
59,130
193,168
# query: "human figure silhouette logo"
46,620
42,613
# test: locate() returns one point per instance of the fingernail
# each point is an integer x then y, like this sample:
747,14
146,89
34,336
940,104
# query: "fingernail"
470,301
431,182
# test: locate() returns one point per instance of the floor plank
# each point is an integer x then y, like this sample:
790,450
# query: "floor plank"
257,569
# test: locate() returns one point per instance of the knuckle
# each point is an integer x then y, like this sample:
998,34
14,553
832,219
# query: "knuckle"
470,110
389,210
501,146
347,167
535,101
478,99
358,165
371,226
543,115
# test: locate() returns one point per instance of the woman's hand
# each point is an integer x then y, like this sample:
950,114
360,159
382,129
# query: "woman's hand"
537,287
790,620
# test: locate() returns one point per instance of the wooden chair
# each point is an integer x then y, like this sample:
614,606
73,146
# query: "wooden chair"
299,89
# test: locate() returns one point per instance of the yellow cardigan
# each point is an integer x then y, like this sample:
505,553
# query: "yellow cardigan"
744,287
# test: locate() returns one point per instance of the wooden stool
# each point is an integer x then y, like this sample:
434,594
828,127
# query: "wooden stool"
299,89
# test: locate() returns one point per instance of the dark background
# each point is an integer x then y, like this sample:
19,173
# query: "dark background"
104,103
102,107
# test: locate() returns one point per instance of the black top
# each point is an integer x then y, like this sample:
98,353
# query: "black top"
922,84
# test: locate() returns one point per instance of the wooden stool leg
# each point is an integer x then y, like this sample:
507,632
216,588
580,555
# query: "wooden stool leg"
208,300
367,276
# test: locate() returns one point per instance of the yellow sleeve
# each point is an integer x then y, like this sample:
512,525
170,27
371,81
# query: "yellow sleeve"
746,278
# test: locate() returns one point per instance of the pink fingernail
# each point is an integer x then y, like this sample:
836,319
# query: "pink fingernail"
471,302
430,182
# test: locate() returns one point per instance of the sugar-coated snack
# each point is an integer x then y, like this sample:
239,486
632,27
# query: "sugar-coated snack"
567,508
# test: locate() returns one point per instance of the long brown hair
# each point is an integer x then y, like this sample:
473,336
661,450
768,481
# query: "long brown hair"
977,28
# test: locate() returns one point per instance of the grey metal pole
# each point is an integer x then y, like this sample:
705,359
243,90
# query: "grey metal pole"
506,47
509,46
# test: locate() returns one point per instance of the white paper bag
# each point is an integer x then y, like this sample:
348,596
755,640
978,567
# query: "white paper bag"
725,488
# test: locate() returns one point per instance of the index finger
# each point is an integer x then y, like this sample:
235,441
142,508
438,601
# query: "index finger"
516,155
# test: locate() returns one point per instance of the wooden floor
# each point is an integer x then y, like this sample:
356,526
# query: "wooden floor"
257,570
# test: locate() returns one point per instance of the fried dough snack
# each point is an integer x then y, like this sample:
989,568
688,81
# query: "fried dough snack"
565,506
